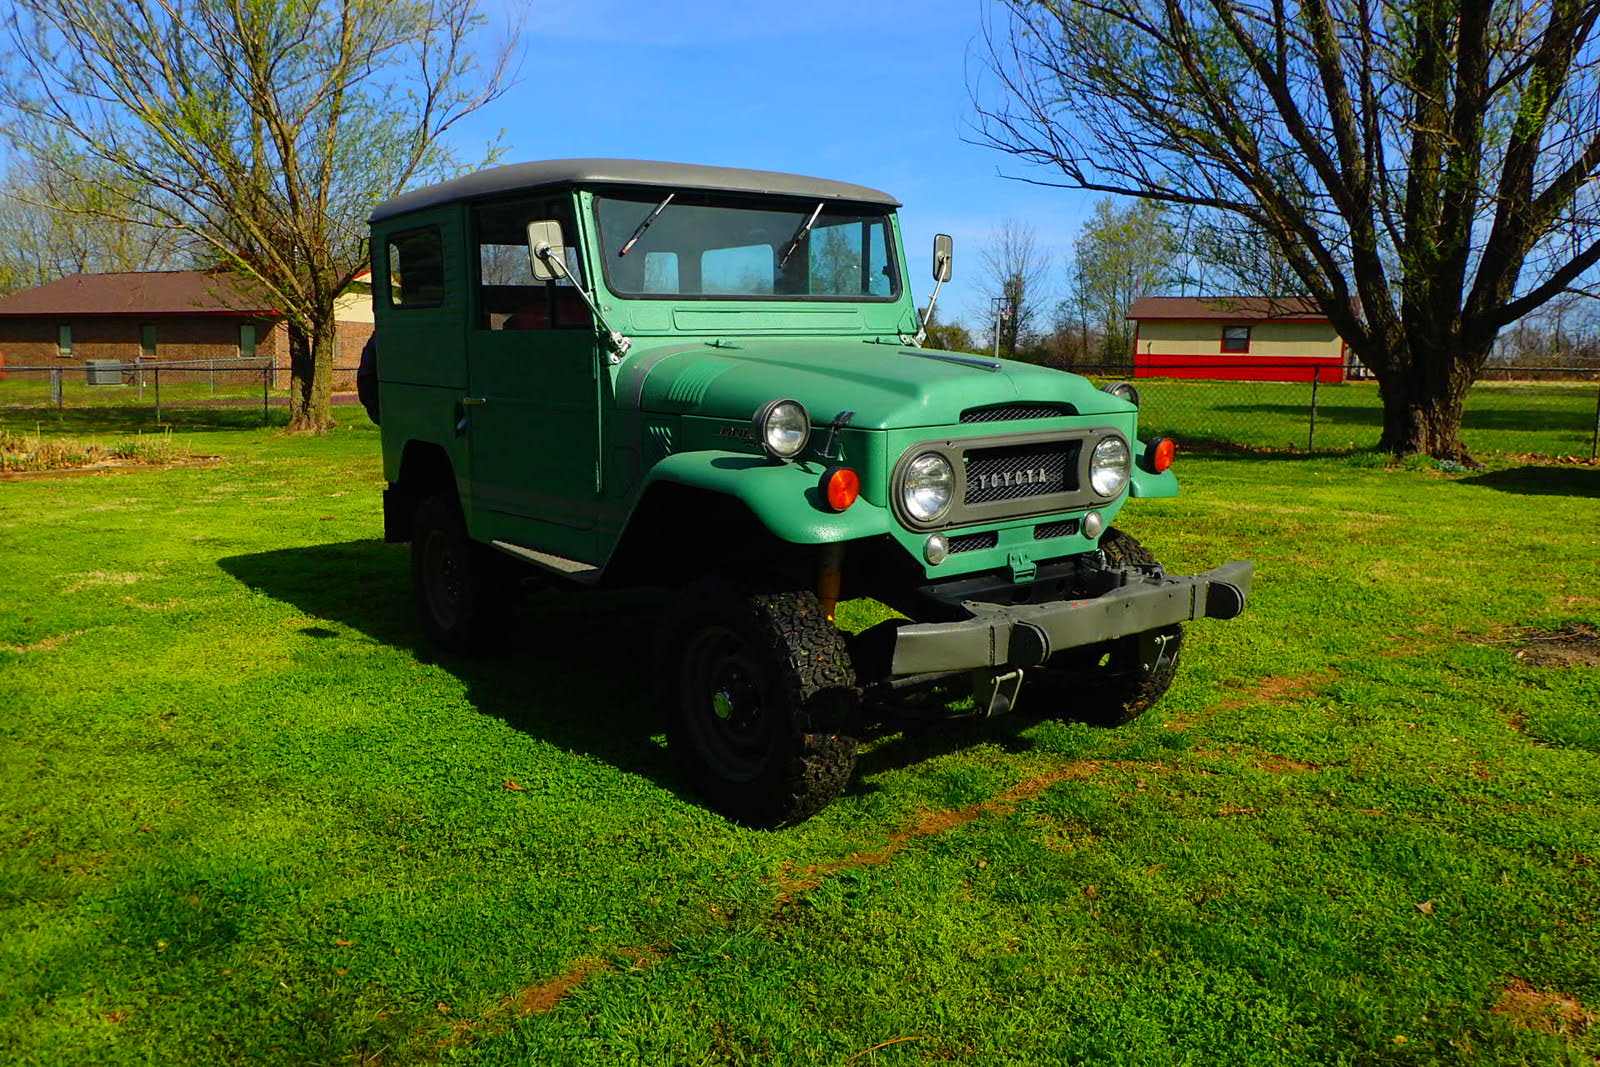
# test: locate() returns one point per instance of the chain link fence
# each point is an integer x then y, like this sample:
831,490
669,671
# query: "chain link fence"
1282,407
1292,407
224,391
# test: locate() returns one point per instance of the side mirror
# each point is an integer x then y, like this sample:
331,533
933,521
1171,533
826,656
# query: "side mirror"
547,250
943,255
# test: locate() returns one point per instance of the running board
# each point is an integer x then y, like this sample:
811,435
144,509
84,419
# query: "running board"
587,573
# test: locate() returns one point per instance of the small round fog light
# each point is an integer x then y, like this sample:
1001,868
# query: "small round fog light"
1093,524
936,549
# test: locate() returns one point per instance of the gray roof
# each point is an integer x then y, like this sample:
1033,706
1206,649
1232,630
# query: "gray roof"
519,176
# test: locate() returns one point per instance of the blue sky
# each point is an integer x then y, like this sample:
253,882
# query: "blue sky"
875,94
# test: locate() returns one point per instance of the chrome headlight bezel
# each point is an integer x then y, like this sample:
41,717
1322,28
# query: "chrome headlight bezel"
782,428
935,469
1110,466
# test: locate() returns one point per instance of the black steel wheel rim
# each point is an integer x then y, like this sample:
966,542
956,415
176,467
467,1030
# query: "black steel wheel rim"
441,577
729,720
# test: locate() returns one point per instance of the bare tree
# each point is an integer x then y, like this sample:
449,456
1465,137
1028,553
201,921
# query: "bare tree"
262,131
44,243
1013,272
1427,168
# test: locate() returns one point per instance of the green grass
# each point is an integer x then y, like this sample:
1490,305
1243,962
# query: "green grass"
247,815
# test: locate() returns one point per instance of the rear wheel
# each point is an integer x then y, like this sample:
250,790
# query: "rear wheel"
1112,683
461,588
758,694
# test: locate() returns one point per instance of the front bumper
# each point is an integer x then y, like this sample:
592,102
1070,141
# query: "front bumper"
1026,635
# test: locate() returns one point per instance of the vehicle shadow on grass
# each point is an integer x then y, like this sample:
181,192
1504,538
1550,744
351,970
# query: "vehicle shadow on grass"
575,671
1542,481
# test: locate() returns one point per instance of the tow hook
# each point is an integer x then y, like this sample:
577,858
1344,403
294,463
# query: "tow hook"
830,574
995,692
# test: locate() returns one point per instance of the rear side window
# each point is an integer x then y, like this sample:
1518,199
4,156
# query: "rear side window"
416,268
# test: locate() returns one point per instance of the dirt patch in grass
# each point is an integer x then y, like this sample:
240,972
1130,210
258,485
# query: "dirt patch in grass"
1278,689
1285,765
48,644
1543,1010
930,824
1571,646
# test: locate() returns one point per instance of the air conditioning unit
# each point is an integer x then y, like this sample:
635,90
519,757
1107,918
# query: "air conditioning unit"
103,371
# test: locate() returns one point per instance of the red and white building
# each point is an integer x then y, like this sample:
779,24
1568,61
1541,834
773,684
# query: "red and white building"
1250,338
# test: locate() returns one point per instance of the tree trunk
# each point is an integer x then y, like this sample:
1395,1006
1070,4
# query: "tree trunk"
1422,405
311,377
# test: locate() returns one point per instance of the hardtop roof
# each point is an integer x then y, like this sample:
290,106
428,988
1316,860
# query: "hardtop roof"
518,177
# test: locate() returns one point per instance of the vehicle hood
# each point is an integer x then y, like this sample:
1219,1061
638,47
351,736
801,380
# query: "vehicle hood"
888,386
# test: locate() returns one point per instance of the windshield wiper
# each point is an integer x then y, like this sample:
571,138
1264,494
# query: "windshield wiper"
638,231
799,235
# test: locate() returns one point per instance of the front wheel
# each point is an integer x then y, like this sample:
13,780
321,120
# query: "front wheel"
1112,683
758,693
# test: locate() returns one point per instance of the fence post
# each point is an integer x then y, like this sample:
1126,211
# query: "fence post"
55,387
266,387
138,374
156,374
1594,444
1311,436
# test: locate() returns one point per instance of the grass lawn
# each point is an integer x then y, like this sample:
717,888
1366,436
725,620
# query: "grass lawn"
247,815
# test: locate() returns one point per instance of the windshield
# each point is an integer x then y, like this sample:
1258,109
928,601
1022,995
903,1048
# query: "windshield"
709,245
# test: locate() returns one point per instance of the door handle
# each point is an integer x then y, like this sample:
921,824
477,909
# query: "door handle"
473,401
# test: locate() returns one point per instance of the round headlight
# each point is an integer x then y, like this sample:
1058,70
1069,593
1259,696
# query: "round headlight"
1109,466
783,428
1122,391
927,487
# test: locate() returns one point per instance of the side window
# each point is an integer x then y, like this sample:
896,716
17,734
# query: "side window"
247,339
416,268
1236,338
63,340
509,298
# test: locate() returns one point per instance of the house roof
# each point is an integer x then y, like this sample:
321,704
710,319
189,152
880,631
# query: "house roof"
1232,308
170,292
521,176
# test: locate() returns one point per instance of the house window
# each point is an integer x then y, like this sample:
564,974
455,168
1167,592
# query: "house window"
64,340
1236,338
247,339
416,268
147,340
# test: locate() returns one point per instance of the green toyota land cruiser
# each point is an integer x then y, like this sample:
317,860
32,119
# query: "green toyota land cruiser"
617,372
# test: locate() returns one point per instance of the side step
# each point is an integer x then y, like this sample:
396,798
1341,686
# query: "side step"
586,573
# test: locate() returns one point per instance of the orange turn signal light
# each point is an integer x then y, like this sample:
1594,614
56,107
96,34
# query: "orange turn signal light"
841,486
1162,450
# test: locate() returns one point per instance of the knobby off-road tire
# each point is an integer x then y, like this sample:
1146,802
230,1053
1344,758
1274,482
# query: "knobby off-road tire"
757,693
1104,684
462,590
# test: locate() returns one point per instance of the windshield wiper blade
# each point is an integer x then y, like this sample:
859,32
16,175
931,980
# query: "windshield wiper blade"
638,230
799,235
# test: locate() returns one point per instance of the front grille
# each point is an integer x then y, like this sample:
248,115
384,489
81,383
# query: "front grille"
1005,412
1064,528
973,542
1017,472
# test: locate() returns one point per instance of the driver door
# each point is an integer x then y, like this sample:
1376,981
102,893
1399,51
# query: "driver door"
532,411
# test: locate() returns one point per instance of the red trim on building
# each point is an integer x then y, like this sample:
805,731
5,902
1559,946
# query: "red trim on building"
1238,367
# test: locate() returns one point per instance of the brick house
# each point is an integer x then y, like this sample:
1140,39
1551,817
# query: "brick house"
161,316
1252,338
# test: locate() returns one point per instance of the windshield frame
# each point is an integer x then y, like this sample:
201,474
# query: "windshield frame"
803,206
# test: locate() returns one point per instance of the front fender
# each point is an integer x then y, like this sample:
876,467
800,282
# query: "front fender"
786,497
